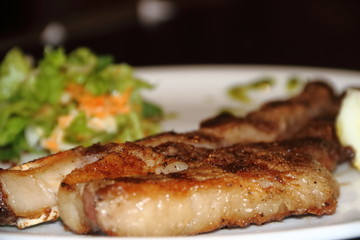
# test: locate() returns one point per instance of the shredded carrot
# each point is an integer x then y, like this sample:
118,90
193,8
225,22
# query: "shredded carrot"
64,121
51,145
52,142
75,90
100,106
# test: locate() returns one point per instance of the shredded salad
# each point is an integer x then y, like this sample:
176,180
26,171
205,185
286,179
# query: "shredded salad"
70,99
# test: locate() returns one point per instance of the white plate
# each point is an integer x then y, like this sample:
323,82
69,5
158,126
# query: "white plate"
197,92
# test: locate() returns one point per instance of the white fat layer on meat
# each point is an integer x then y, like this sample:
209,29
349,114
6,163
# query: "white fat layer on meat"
32,188
27,222
173,167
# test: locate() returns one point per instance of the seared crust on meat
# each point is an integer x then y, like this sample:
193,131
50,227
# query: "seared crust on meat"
232,186
275,120
195,138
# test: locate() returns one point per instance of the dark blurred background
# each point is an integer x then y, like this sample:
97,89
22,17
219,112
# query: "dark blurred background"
324,33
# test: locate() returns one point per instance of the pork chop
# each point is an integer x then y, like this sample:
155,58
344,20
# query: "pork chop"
276,120
192,190
28,192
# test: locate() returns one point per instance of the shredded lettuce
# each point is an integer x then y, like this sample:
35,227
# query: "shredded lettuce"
13,71
71,99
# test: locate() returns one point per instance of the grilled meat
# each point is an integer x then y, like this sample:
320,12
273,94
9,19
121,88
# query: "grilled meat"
322,129
192,190
194,138
275,120
28,192
280,121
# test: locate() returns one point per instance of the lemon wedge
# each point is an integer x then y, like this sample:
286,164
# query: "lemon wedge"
348,123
